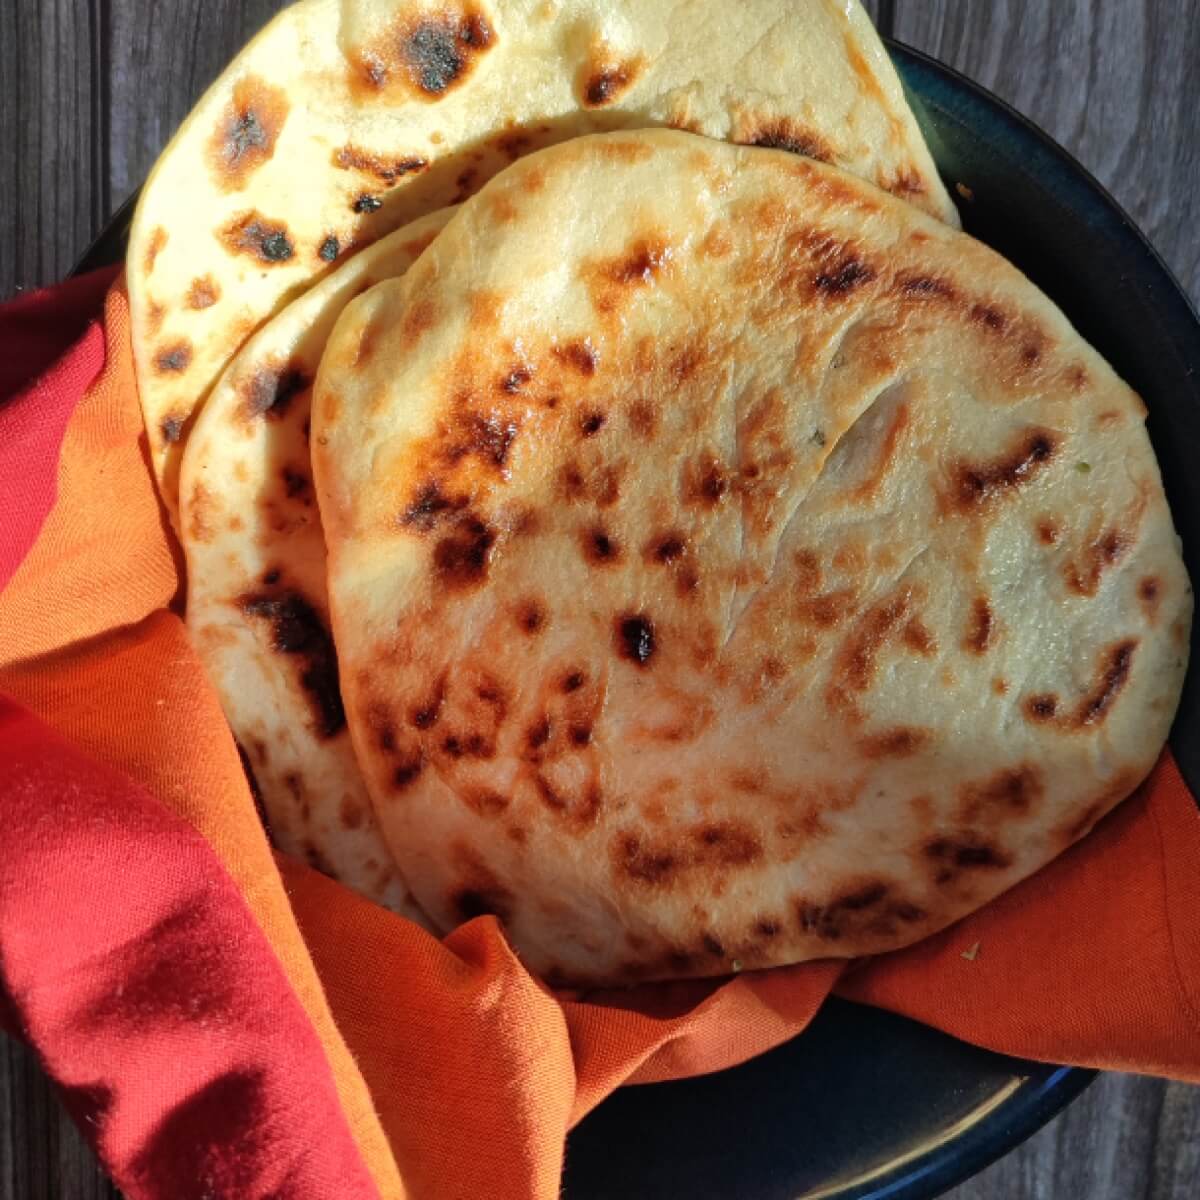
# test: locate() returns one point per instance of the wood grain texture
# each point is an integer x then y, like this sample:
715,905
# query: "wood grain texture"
51,200
170,52
90,91
1125,1138
42,1155
1117,83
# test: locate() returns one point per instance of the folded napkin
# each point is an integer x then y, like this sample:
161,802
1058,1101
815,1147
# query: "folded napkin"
226,1022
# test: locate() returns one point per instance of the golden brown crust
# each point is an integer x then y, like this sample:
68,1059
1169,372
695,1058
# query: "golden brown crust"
344,119
695,574
257,606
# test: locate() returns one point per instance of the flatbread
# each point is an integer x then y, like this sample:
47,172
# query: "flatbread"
342,121
257,606
750,571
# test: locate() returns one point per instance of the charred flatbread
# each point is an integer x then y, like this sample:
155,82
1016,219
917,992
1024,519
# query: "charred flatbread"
343,120
748,571
257,606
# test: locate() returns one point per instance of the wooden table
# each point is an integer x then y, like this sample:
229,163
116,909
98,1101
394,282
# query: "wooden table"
90,90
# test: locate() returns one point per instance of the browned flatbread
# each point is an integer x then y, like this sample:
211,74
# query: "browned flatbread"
749,571
257,609
345,119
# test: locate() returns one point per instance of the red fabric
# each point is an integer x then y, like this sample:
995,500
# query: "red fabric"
123,939
34,331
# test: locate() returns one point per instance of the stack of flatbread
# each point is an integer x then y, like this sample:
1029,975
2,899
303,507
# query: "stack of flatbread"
616,497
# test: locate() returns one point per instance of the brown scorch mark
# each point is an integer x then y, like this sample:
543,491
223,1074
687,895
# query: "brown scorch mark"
531,617
867,908
855,665
591,423
605,83
666,548
989,317
431,52
949,857
298,631
843,278
976,484
270,389
515,380
705,480
827,610
429,506
387,170
643,419
925,287
792,136
249,128
203,293
581,355
1115,664
1012,792
981,627
902,742
155,315
1150,596
258,237
708,847
461,558
171,428
599,547
1041,707
1106,551
636,639
158,242
645,259
918,638
174,359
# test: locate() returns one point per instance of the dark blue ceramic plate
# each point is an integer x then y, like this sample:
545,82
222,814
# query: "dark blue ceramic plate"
864,1105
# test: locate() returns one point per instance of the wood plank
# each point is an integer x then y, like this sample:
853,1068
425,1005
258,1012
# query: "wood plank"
42,1155
161,58
173,56
1117,83
49,138
880,13
1126,1137
156,64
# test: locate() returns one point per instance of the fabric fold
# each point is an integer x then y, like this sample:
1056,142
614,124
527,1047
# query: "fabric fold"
134,966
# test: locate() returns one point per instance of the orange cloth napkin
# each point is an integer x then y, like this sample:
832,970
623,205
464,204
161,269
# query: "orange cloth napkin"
459,1073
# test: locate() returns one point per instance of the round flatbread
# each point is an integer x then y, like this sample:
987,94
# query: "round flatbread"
342,121
257,606
750,571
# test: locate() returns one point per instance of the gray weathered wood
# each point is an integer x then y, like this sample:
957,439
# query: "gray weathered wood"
171,52
42,1156
50,137
1126,1138
1117,83
90,90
